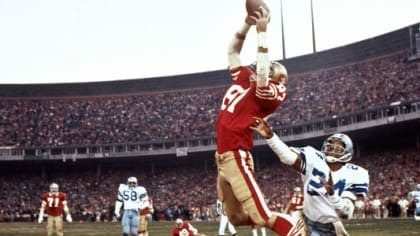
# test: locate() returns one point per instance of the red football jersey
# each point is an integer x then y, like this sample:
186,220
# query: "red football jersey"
243,101
149,209
296,202
183,231
54,206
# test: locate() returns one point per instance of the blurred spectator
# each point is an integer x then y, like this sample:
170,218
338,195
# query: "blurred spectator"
393,207
376,205
192,113
359,208
90,194
403,203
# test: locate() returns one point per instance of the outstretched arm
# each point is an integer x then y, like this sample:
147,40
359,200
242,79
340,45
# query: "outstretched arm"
284,153
235,46
192,229
263,60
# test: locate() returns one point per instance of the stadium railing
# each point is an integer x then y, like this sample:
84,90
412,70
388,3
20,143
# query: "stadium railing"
396,112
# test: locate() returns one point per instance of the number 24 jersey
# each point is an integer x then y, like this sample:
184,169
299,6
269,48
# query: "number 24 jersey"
349,178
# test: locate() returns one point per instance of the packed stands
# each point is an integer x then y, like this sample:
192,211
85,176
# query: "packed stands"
192,113
339,82
186,183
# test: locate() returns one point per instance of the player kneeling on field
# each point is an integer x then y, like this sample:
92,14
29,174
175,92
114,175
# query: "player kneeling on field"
184,228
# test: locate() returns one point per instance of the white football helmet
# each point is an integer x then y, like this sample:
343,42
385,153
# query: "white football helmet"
132,182
338,153
54,188
297,190
178,222
278,71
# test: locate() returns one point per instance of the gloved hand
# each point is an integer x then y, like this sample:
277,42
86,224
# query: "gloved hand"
68,218
117,214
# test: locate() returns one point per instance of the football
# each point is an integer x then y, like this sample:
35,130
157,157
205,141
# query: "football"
254,5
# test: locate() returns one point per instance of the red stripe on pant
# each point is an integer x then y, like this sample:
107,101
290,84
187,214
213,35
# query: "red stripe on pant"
248,175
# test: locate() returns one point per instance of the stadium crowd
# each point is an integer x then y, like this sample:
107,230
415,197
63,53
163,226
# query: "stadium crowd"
190,192
192,113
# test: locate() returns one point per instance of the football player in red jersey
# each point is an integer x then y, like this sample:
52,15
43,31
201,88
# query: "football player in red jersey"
295,205
251,94
54,202
143,219
184,228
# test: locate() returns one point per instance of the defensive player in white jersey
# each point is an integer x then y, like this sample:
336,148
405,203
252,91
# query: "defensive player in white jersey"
416,198
134,198
224,221
330,182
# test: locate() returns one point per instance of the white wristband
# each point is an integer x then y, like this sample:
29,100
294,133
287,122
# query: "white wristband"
262,40
282,150
263,68
244,29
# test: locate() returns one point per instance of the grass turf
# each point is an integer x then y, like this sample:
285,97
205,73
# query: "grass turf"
368,227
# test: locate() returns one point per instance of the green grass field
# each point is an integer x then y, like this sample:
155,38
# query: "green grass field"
386,227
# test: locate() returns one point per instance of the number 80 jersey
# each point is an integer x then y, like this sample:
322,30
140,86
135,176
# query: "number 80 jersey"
134,198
